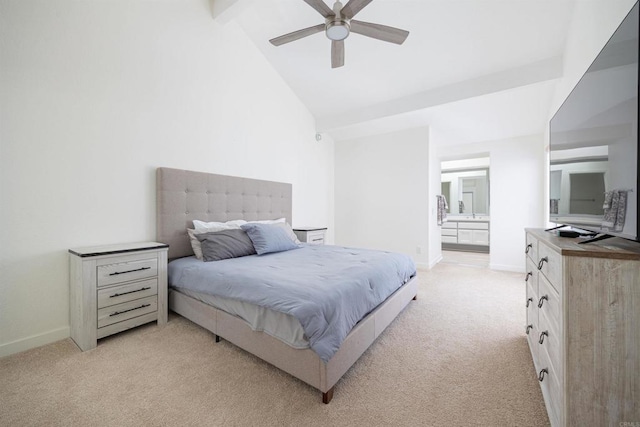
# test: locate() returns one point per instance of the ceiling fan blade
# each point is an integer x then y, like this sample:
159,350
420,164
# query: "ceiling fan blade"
337,53
380,32
287,38
353,7
321,7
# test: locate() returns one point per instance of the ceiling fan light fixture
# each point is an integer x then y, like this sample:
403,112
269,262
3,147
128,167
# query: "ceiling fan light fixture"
337,30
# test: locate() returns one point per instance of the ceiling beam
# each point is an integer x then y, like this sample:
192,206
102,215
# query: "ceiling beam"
224,11
537,72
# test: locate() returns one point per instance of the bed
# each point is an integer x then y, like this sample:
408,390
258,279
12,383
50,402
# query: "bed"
184,196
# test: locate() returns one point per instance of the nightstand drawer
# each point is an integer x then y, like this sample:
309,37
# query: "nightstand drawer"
126,271
315,238
124,293
127,310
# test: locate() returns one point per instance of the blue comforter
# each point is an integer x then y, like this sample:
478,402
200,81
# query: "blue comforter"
327,288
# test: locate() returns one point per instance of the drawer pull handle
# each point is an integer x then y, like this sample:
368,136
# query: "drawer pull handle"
529,274
541,263
130,292
131,309
529,246
541,374
130,271
317,240
542,335
529,301
529,327
542,299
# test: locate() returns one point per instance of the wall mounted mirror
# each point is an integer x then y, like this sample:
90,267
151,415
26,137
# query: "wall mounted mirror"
467,191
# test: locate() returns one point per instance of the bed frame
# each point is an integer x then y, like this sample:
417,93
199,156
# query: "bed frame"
183,196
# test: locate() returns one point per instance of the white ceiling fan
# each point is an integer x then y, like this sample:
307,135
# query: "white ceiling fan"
339,23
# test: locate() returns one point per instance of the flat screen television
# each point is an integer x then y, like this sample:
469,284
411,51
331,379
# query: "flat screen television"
593,143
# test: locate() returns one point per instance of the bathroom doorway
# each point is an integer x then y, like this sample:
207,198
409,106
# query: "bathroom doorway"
465,187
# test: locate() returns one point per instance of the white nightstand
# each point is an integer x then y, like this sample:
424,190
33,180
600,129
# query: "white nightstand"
116,287
313,235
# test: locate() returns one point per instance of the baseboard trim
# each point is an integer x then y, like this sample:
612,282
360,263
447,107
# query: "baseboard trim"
34,341
435,261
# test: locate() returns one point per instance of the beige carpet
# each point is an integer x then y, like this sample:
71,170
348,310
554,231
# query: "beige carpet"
455,357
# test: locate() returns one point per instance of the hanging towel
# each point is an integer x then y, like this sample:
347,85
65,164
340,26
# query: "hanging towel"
442,209
553,206
615,210
460,206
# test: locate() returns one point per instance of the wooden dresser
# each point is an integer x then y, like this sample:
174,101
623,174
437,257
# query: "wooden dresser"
583,328
116,287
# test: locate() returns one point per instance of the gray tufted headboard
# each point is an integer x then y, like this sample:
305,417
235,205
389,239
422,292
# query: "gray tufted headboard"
183,196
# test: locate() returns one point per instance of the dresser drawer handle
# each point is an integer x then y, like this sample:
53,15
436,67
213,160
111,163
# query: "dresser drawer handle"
542,261
529,274
529,247
529,301
542,335
542,299
541,374
130,292
529,327
130,271
131,309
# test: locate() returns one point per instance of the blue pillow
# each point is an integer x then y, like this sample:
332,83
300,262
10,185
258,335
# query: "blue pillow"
268,238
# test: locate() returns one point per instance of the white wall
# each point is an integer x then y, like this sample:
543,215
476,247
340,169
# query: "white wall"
95,96
517,188
382,193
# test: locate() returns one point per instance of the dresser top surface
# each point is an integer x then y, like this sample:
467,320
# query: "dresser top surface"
613,248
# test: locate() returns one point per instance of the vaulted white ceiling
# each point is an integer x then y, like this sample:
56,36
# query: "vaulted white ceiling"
476,69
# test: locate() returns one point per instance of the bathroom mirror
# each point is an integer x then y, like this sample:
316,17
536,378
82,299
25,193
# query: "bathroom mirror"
467,191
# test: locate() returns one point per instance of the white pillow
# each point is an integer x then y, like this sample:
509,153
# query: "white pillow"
268,221
217,226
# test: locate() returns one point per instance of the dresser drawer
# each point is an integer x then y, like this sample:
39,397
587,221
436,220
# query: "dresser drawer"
549,303
531,276
120,272
531,248
531,328
550,265
551,388
551,342
127,310
118,294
